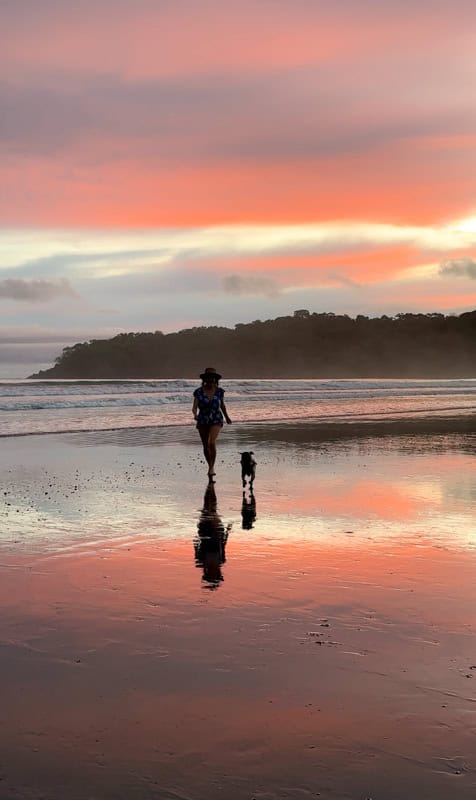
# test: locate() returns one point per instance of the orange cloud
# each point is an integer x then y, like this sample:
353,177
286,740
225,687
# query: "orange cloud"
119,195
298,269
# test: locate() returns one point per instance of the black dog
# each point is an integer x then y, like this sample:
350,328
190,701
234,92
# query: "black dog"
248,467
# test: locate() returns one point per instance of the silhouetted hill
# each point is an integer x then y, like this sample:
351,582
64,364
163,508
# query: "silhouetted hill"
305,345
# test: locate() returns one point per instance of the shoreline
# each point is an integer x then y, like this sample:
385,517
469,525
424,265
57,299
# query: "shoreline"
312,429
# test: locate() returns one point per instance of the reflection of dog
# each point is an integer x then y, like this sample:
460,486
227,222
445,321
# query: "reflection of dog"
248,467
248,511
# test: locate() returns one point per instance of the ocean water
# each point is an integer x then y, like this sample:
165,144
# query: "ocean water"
33,407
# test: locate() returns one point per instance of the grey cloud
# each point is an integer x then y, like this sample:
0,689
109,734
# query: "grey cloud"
296,113
181,281
36,290
250,284
184,280
39,335
24,350
28,353
29,13
459,267
175,280
39,119
345,281
61,262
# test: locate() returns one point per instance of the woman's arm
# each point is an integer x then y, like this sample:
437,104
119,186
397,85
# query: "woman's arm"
225,412
195,408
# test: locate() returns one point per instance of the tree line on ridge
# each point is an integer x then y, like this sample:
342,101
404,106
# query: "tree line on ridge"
304,345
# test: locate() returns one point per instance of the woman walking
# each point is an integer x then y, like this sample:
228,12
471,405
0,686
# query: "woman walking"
209,410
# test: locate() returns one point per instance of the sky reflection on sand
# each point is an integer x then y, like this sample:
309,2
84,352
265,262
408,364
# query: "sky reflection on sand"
335,656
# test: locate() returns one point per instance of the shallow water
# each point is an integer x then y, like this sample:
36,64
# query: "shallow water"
325,651
53,406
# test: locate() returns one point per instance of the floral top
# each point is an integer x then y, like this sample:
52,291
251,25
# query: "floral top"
209,412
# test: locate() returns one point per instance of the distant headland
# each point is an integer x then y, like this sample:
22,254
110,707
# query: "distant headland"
304,345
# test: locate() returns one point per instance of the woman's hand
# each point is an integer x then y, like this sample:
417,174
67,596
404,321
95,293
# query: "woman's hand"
228,420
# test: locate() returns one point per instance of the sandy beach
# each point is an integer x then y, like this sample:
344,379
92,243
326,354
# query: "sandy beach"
314,640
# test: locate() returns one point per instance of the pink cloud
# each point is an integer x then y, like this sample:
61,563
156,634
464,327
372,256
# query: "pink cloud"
144,39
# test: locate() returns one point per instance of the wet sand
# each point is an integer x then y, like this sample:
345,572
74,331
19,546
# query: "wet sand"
316,640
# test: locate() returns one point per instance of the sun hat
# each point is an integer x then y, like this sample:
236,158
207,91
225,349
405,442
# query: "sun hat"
210,372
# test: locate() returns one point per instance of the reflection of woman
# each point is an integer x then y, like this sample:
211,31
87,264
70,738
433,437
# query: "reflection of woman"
212,538
208,411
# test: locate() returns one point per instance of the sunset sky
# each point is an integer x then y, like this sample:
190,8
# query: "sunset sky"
171,163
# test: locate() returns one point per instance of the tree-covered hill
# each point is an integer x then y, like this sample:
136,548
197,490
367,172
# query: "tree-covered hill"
305,345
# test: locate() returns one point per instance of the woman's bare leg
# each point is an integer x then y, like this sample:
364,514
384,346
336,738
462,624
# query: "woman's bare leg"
212,448
204,433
